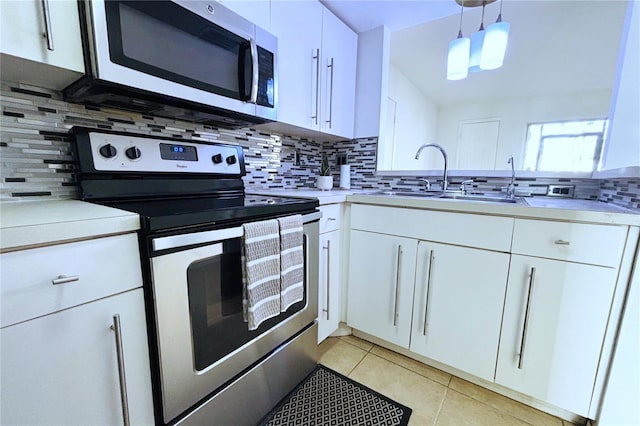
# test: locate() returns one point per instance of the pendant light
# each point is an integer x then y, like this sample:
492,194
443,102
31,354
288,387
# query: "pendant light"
495,44
477,40
458,59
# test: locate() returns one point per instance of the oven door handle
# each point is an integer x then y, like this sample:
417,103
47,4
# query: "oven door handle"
182,240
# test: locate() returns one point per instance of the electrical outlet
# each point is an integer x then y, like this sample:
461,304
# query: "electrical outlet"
341,159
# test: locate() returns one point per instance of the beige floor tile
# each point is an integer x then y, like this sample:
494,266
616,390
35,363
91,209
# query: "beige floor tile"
339,355
504,404
459,410
413,365
362,344
422,395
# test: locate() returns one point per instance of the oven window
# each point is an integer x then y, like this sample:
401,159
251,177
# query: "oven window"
170,42
215,305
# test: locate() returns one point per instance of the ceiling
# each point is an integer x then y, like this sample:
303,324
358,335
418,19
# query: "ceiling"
554,46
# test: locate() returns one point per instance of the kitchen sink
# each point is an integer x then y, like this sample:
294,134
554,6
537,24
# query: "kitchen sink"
453,195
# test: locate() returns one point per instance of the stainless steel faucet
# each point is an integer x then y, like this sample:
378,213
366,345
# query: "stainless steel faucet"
444,157
511,189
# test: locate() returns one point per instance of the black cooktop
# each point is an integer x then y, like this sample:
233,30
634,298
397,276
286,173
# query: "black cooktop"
210,212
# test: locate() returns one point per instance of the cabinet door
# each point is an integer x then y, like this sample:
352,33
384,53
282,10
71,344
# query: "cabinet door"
298,26
22,29
338,67
256,11
381,277
458,305
329,283
553,328
63,368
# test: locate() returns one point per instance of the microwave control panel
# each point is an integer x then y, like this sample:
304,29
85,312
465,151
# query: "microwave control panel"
120,153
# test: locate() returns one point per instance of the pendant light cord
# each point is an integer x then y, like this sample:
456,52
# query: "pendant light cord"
460,26
484,3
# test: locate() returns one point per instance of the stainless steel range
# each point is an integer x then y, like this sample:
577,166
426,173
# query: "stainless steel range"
208,368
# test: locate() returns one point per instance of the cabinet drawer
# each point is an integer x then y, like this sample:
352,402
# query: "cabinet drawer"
471,230
103,266
575,242
331,217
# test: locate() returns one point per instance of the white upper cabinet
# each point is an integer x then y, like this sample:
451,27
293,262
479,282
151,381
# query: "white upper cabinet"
338,68
316,68
621,156
298,26
40,42
256,11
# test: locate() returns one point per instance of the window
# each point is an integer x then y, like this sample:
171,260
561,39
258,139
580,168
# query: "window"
567,145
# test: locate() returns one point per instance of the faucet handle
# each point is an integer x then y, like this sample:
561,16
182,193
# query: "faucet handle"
427,184
463,184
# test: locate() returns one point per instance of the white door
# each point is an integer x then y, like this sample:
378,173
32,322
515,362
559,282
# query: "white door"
298,26
458,306
553,329
329,284
338,67
478,145
381,277
62,369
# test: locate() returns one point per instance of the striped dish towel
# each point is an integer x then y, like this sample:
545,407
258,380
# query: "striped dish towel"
291,261
261,272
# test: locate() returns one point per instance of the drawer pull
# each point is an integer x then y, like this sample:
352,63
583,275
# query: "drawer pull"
562,242
63,279
121,373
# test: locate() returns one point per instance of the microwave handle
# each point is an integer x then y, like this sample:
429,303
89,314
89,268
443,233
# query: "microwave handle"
254,71
248,89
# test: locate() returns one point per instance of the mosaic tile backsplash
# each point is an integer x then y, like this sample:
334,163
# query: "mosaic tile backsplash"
37,159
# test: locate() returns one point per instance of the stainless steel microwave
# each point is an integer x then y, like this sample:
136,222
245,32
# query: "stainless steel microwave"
193,60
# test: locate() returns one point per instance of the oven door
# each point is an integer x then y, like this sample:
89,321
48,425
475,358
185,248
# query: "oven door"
203,341
194,50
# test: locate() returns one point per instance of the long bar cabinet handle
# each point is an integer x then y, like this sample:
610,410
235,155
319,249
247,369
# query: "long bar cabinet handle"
316,58
48,33
328,249
330,93
121,373
426,305
525,326
395,303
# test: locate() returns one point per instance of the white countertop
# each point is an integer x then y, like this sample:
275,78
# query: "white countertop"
536,208
25,224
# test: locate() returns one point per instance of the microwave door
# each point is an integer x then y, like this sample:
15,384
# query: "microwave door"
175,49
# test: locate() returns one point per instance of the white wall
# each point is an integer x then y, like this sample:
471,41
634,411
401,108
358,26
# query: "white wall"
622,146
515,114
415,124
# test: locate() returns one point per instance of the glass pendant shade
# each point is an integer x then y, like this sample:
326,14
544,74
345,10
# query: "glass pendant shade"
477,41
458,59
494,46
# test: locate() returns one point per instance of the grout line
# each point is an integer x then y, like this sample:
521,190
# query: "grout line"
357,364
435,420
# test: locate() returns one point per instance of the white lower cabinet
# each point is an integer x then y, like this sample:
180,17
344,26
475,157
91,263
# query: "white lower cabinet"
457,311
381,280
329,284
554,324
63,368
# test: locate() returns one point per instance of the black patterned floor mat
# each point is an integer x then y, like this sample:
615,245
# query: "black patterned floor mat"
326,397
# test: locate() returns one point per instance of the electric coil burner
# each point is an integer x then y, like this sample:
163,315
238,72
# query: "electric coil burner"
207,367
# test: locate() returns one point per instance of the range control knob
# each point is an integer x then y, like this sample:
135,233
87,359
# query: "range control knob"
217,159
108,151
231,159
133,153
